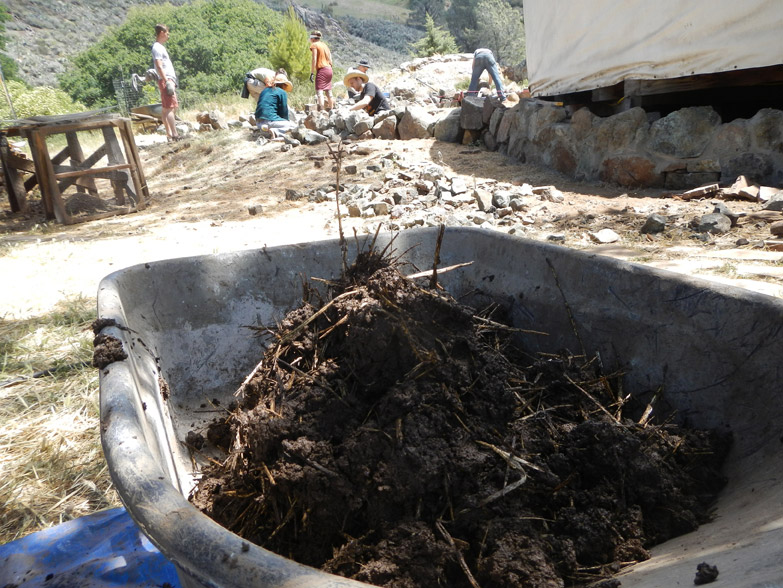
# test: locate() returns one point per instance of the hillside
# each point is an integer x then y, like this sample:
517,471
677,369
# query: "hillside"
43,34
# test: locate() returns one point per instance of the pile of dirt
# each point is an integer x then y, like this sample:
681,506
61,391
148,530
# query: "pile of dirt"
397,437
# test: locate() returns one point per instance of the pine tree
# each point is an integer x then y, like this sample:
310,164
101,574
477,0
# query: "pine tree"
289,47
435,40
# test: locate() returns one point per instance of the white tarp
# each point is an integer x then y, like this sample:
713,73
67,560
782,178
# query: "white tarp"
586,44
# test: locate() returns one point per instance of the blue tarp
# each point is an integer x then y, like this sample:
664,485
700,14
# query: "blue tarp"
96,551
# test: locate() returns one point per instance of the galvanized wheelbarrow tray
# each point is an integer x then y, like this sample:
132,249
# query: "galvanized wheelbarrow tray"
714,349
148,112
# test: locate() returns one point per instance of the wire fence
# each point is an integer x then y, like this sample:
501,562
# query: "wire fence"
127,97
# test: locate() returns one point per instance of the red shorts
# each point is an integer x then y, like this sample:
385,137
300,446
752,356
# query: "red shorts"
167,101
323,79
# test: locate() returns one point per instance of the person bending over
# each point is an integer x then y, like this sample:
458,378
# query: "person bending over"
484,60
371,97
362,66
272,108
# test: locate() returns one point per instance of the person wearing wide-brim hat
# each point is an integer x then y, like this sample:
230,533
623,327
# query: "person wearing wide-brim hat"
272,113
371,97
321,70
363,65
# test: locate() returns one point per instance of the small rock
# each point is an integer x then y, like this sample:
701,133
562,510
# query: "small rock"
714,223
604,236
501,198
549,193
483,199
705,573
775,202
655,223
721,208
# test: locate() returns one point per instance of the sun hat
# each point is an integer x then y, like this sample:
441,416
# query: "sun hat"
282,81
364,62
315,34
355,73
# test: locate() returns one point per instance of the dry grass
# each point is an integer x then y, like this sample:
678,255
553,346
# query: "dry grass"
51,464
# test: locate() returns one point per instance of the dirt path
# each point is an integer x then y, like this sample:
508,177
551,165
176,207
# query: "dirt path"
202,190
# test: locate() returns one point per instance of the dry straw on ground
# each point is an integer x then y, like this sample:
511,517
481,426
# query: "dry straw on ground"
51,464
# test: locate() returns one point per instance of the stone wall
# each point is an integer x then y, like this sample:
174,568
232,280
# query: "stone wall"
688,148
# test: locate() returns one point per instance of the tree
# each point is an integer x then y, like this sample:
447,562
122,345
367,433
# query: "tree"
419,9
501,28
289,47
461,18
435,40
213,44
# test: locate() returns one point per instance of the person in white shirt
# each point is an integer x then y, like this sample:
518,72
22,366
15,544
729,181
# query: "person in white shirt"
167,81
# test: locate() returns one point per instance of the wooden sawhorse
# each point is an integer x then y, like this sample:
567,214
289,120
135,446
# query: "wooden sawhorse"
54,177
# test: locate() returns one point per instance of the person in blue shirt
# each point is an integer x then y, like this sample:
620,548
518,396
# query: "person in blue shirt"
272,107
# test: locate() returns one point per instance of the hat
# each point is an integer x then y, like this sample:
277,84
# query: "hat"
364,62
315,34
282,81
355,73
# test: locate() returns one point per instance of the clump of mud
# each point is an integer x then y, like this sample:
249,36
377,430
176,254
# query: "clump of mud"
399,438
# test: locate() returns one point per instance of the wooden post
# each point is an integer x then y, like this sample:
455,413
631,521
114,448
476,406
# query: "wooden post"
50,192
77,158
114,155
17,195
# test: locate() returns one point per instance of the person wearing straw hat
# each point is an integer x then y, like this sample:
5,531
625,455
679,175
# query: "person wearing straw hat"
371,97
272,110
255,81
321,70
363,66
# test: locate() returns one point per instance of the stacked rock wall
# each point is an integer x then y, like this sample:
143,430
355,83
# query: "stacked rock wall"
687,148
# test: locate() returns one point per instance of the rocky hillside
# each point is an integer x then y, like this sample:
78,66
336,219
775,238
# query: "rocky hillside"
44,33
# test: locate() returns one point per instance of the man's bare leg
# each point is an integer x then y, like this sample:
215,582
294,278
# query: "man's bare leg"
170,123
319,98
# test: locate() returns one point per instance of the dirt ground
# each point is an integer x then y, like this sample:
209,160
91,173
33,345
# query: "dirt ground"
202,190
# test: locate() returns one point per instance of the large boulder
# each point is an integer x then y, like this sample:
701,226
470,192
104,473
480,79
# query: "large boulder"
447,128
472,113
685,132
415,123
386,128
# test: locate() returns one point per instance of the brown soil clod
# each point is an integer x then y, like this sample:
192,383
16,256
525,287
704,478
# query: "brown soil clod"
397,437
107,350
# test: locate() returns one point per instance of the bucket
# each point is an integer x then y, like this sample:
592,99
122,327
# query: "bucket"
715,350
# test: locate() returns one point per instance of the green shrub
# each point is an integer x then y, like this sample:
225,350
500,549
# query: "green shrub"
39,101
435,41
213,44
289,47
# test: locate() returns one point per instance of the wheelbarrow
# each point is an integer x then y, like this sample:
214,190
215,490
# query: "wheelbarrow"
148,113
714,349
